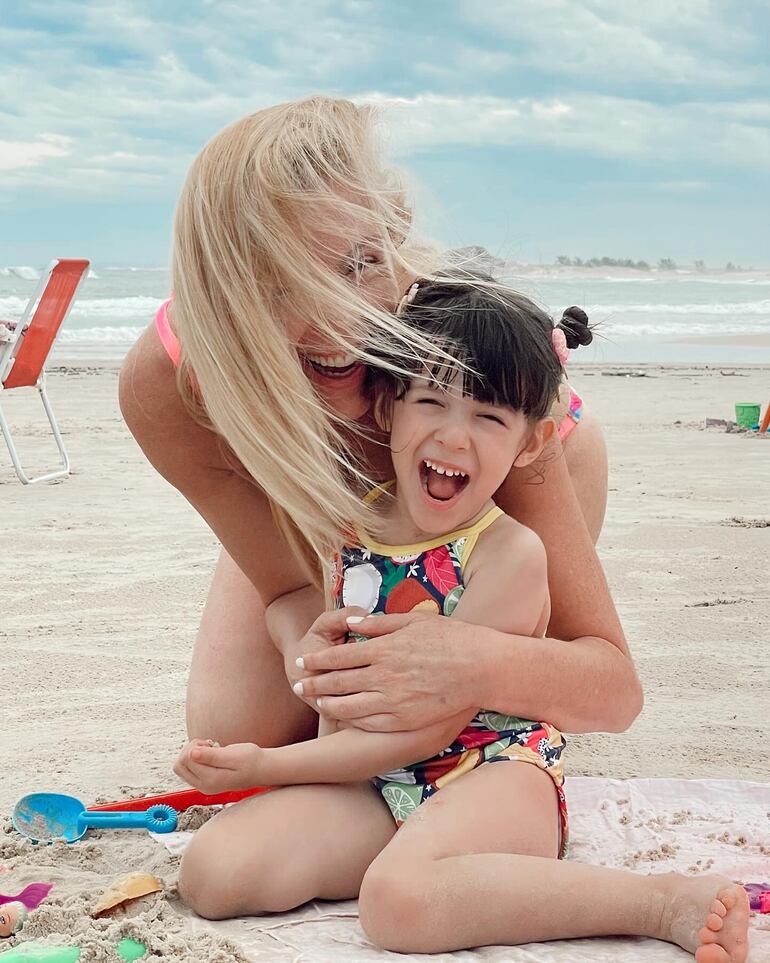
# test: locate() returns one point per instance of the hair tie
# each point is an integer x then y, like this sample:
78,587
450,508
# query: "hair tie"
574,323
559,342
407,299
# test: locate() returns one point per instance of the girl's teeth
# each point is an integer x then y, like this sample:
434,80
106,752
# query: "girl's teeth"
450,472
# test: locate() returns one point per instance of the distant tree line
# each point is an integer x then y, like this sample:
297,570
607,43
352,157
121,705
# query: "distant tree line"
664,264
603,262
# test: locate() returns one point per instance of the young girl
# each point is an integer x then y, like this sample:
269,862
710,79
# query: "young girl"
465,869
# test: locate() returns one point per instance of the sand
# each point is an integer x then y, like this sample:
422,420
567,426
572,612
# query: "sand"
105,574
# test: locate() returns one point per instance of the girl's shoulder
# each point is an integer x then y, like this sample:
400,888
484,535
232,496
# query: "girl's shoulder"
504,542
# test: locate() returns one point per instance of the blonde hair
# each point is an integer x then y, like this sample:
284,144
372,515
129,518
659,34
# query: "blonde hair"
249,213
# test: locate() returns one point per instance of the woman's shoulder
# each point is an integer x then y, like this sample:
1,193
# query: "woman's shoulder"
157,416
147,381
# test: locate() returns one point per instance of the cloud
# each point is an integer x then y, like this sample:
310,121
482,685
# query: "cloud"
685,43
720,134
19,155
131,79
128,92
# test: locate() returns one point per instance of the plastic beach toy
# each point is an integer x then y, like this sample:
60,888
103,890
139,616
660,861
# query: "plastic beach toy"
747,415
759,896
15,909
35,953
12,916
31,896
32,953
180,800
126,889
46,816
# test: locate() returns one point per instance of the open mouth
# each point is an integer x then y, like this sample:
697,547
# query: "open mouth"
442,483
337,366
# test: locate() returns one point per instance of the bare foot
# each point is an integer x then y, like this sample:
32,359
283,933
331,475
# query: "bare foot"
724,938
708,916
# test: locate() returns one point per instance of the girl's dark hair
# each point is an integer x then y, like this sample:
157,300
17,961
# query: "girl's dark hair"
503,341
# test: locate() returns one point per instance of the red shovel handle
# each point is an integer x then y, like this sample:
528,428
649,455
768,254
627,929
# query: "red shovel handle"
179,800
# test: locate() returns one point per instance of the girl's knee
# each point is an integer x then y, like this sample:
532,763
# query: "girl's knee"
201,885
222,876
213,876
396,908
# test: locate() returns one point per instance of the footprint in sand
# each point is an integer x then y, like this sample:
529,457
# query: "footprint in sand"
739,522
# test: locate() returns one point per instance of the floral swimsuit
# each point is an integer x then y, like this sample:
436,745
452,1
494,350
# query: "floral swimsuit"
384,579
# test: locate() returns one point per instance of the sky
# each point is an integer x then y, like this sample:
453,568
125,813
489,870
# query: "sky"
536,128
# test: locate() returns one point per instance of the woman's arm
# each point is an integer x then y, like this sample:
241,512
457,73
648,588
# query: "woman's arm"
581,678
192,458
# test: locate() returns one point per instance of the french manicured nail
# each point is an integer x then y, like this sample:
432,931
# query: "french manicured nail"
297,688
300,663
354,619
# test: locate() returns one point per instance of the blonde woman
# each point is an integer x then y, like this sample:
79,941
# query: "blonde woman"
291,252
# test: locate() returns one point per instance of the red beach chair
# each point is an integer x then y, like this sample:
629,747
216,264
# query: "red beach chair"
26,344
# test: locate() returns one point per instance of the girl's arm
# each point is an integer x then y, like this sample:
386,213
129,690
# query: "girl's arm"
348,755
580,678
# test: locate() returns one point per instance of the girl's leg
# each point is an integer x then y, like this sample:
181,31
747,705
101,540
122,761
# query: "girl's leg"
475,865
277,851
237,691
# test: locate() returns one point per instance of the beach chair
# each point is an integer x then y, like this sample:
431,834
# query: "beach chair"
26,344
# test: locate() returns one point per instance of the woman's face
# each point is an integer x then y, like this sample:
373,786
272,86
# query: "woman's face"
366,264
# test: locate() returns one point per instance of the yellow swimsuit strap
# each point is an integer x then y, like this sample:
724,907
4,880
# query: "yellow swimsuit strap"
470,533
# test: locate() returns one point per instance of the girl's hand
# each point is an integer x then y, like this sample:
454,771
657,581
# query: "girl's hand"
212,768
416,670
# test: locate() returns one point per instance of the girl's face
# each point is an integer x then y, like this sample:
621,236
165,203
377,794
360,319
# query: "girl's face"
451,453
365,264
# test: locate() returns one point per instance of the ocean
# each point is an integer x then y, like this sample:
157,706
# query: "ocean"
642,319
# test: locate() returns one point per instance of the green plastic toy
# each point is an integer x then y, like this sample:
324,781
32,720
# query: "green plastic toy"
130,950
32,952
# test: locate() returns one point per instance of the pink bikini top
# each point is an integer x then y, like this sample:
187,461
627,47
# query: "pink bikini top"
165,333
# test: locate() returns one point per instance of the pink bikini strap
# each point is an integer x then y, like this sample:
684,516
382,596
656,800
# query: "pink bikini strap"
166,334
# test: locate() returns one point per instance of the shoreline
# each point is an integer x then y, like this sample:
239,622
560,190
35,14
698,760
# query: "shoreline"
749,340
81,365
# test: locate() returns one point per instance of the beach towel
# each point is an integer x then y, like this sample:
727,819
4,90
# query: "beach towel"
648,825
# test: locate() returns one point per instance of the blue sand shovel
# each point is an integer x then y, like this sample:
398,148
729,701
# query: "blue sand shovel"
47,816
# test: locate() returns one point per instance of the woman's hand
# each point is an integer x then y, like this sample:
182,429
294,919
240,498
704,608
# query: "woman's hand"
415,670
212,768
329,629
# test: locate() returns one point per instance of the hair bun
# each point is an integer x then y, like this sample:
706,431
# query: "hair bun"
574,324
